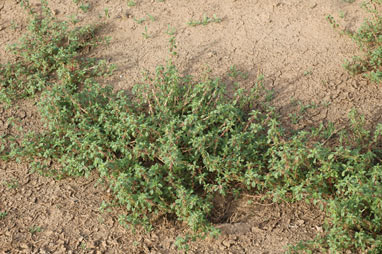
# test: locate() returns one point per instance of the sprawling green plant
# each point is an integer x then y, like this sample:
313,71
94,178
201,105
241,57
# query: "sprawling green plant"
167,148
170,145
369,39
347,181
49,47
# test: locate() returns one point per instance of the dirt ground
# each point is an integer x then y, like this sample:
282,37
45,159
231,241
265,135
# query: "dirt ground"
289,41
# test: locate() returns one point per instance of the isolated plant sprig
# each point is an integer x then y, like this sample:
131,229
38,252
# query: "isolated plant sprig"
369,39
205,20
131,3
3,215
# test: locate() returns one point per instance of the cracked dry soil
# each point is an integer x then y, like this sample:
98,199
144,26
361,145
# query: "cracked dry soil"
289,41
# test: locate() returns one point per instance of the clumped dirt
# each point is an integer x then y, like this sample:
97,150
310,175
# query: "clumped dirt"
289,41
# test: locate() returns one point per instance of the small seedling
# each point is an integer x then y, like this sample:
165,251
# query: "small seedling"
85,7
107,14
308,72
139,21
332,21
13,184
3,215
170,30
173,46
205,21
131,3
326,104
145,33
152,18
35,229
83,245
341,14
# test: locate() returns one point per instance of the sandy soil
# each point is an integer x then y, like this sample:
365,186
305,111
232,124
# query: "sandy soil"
289,41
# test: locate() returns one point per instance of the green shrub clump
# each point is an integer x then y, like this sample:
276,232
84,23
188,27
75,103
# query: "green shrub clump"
172,144
50,50
167,148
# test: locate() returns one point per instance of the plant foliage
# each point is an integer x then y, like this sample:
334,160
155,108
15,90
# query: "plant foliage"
369,39
168,146
48,51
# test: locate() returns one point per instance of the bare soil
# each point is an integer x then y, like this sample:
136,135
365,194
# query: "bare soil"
289,41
